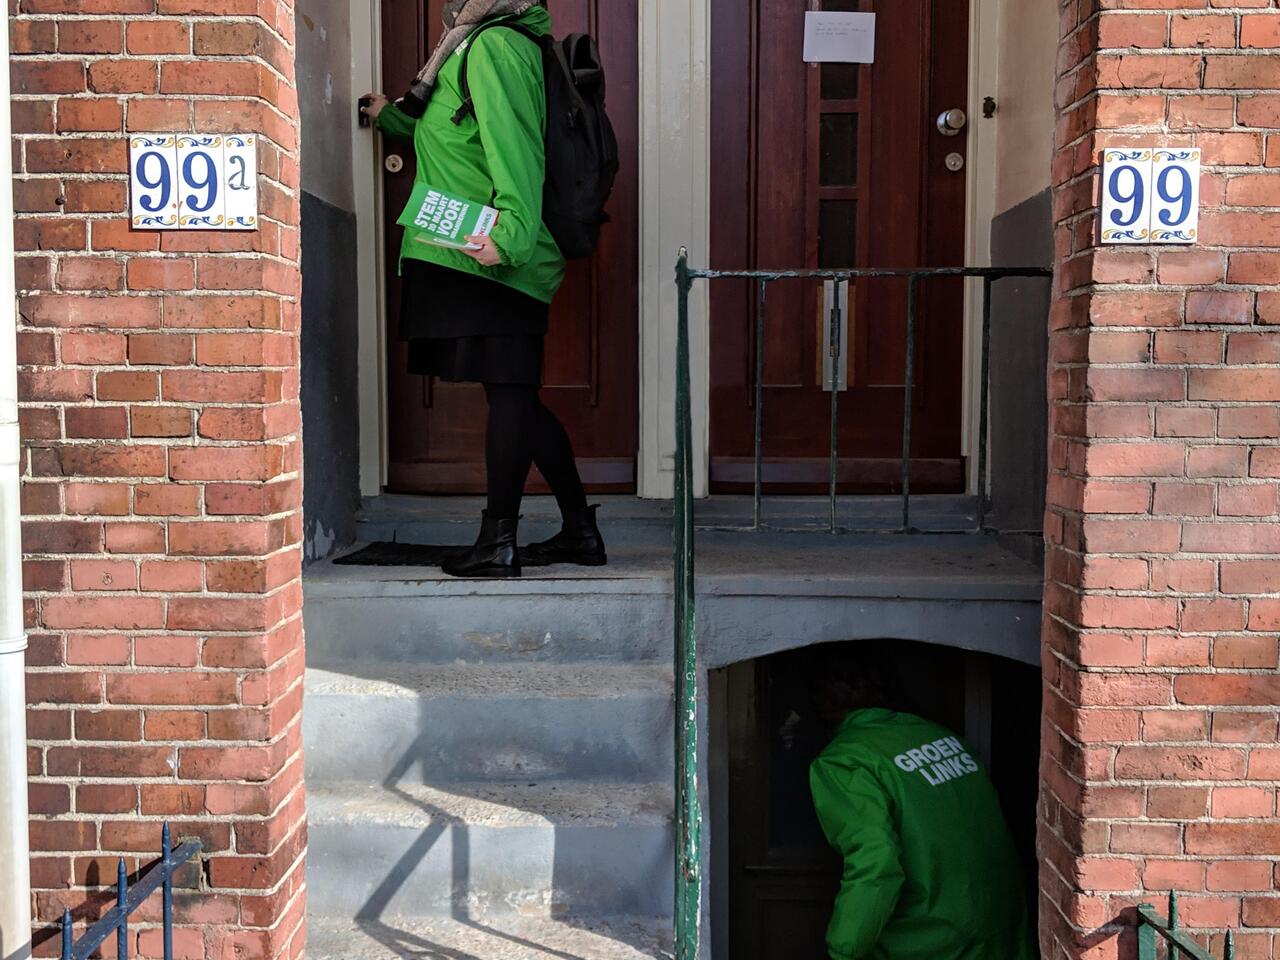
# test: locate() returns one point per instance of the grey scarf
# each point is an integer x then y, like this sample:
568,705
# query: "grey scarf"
461,17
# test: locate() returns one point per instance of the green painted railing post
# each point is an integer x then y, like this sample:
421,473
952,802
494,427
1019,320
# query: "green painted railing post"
1152,928
1146,938
688,890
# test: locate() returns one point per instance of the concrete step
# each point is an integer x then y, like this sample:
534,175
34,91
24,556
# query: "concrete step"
484,850
511,939
624,520
417,615
438,528
410,723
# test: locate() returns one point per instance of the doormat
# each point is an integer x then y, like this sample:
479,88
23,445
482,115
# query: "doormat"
387,554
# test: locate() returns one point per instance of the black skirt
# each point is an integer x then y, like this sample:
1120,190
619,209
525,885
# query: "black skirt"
466,328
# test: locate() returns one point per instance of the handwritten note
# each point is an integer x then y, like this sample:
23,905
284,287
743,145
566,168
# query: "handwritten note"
839,37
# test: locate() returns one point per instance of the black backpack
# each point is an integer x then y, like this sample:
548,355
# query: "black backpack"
582,151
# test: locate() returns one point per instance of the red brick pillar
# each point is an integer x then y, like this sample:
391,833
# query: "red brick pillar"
159,383
1160,762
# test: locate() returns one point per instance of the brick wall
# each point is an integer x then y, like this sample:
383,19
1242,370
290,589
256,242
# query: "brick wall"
1161,760
159,388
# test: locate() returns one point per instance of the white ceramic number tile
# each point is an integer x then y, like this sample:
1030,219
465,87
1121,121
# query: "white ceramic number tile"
200,178
241,171
153,182
1126,196
1175,195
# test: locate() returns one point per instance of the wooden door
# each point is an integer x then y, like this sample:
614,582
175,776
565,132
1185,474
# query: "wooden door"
436,429
837,165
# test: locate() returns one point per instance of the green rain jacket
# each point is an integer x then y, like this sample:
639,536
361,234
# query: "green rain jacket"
930,871
496,156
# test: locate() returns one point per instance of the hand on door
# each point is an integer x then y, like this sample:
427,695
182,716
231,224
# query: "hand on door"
372,104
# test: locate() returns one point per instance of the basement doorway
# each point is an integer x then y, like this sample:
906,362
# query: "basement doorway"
774,877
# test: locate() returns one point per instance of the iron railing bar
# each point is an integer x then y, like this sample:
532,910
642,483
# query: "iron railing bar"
147,884
984,404
914,531
166,858
757,505
913,275
688,860
835,349
907,399
854,273
1149,919
1151,925
122,901
1146,939
97,934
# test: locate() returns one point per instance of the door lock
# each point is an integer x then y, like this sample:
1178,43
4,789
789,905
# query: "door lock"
951,122
954,162
394,163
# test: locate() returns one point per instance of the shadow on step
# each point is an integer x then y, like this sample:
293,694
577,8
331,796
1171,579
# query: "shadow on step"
468,936
519,805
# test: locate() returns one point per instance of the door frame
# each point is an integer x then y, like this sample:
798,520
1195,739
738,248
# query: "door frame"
675,187
366,155
980,207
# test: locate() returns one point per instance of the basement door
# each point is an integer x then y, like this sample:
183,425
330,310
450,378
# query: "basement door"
436,429
830,166
782,875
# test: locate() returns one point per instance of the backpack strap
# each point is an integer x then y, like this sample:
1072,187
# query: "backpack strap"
468,107
571,76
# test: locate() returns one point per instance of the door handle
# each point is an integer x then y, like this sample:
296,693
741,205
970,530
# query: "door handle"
951,122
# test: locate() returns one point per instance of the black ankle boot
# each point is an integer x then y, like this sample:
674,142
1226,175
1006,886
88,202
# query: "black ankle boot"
495,553
578,542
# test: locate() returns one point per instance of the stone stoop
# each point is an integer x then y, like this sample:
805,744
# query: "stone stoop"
489,765
482,754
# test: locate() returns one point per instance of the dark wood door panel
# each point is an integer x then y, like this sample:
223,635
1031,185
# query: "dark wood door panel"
436,429
836,166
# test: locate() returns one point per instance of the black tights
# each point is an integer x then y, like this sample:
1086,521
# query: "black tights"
521,431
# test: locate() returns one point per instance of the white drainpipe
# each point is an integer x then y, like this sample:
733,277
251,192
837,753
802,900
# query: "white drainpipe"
15,855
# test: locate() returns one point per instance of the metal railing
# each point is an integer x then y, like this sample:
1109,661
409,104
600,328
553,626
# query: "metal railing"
688,891
129,899
685,277
1152,926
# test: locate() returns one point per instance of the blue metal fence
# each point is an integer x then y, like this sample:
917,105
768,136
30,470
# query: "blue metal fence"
129,899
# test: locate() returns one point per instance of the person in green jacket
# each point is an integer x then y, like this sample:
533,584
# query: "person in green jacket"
930,870
480,314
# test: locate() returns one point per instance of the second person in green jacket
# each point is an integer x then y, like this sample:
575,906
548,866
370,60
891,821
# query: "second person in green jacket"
480,315
930,870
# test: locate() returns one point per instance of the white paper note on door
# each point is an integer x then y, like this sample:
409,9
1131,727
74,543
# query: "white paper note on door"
839,37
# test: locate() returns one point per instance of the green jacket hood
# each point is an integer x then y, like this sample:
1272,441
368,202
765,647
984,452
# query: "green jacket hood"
537,19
